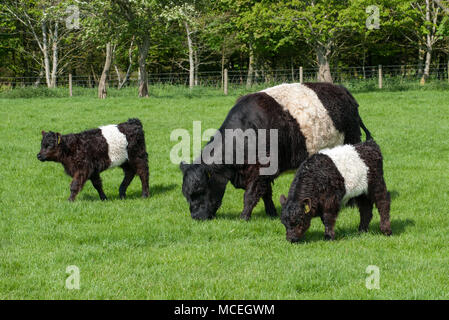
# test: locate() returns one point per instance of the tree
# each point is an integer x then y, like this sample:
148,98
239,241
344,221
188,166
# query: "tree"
143,19
42,21
431,16
324,25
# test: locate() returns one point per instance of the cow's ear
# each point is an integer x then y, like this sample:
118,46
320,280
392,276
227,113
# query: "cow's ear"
183,166
282,200
43,133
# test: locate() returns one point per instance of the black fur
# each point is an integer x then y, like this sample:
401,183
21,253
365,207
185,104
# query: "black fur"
318,185
204,185
85,155
342,109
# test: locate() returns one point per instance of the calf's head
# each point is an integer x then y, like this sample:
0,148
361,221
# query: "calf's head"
202,190
295,216
50,146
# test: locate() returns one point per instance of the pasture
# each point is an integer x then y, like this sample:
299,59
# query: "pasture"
151,248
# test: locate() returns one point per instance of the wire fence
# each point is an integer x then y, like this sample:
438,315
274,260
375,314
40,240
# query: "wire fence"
397,73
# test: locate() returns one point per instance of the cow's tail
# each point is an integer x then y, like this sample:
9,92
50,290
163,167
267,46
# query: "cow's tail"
367,133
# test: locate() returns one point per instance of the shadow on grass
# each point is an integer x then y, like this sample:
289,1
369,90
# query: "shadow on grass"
398,226
154,191
393,194
259,214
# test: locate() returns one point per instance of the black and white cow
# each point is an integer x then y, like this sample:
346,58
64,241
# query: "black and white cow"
330,179
308,117
85,155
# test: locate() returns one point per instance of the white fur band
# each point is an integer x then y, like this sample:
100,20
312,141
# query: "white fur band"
314,121
117,144
351,167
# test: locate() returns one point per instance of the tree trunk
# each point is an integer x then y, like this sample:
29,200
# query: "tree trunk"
119,78
426,73
38,80
431,17
249,78
45,52
128,71
191,63
54,72
102,85
197,66
421,53
324,71
222,65
144,46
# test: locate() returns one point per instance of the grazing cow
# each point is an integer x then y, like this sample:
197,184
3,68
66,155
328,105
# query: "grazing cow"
328,180
308,117
84,155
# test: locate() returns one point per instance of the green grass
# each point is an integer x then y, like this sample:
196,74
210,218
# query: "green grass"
152,249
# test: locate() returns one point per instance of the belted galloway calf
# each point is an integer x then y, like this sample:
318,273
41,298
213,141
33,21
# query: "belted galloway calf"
85,155
329,179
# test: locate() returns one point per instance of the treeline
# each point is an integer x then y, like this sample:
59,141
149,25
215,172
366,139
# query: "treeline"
41,40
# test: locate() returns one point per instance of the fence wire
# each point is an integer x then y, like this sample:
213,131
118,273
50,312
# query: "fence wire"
240,77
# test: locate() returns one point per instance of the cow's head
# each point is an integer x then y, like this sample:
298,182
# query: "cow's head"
50,146
203,190
295,216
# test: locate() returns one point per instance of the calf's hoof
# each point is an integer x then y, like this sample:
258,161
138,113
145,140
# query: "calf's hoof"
387,232
245,217
329,237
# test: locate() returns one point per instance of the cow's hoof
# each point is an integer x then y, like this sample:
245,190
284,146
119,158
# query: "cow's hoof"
272,214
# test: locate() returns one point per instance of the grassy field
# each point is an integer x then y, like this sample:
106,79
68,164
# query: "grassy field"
152,249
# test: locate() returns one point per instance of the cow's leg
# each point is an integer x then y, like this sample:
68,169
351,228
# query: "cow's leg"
382,200
129,176
366,212
252,195
144,174
270,209
78,181
98,185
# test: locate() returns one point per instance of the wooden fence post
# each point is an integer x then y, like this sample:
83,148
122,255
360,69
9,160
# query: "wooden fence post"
225,82
70,84
380,76
301,79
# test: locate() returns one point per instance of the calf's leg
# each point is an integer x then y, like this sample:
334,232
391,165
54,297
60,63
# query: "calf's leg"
383,200
129,176
366,212
78,181
144,174
98,185
329,218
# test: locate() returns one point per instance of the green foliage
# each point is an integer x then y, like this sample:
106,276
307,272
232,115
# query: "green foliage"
281,34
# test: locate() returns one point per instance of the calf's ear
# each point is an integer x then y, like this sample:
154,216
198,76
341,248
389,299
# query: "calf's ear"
43,133
307,205
282,200
183,166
